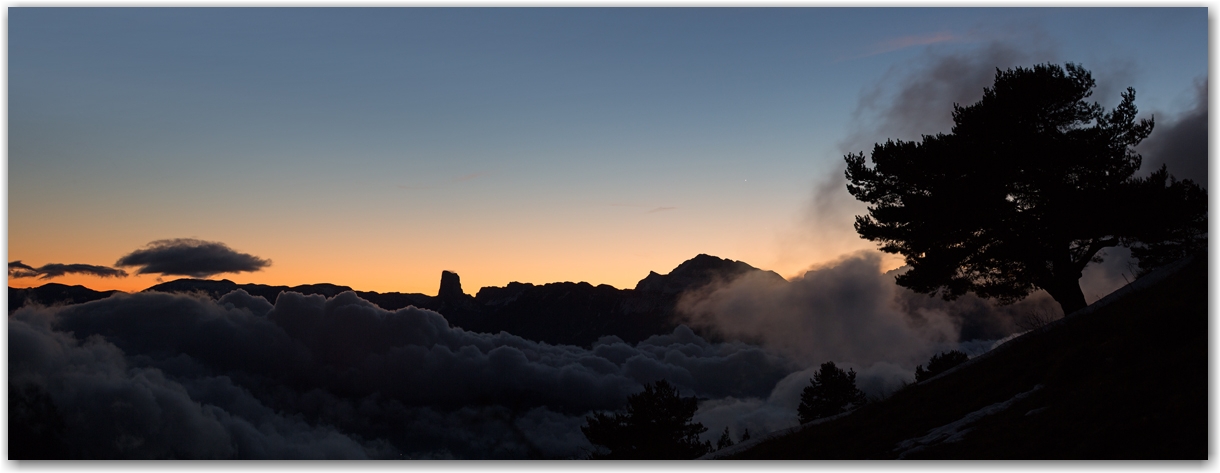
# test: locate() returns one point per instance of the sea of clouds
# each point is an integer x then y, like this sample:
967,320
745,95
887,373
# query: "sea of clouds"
156,375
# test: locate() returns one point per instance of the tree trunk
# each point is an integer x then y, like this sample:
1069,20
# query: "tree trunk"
1068,295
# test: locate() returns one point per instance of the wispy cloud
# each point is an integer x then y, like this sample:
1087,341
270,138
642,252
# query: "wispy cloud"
917,96
652,210
462,178
911,41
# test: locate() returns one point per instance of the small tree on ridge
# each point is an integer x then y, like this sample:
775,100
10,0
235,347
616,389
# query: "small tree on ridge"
830,392
940,363
725,440
656,426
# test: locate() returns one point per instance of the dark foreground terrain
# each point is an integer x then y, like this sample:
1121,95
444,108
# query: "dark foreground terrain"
1123,379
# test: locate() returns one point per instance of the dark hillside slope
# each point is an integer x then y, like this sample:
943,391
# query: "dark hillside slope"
1125,379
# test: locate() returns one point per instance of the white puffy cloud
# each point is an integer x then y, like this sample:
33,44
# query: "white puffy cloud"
843,312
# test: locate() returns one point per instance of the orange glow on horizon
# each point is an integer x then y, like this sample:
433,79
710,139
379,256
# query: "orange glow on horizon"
612,245
427,280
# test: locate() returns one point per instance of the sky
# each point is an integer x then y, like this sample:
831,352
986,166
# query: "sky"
374,148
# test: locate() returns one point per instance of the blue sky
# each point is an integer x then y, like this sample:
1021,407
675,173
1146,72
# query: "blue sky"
375,147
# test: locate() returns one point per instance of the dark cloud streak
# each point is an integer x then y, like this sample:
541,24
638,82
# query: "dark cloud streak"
1181,144
17,269
916,99
191,257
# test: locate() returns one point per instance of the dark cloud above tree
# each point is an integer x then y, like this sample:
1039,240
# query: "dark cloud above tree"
17,269
1181,144
191,257
912,98
917,98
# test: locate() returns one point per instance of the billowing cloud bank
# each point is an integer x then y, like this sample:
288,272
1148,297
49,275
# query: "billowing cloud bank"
154,375
851,312
845,312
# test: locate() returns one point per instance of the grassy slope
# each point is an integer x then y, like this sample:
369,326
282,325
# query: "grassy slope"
1127,381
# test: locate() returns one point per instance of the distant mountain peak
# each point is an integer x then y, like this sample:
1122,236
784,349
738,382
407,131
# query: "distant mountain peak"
696,272
213,286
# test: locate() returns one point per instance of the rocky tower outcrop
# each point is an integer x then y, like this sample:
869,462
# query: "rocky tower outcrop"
451,285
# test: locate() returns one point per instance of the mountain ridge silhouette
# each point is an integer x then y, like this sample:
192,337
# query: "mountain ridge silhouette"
564,313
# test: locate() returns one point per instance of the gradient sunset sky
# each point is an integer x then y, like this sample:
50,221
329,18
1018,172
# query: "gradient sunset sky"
375,148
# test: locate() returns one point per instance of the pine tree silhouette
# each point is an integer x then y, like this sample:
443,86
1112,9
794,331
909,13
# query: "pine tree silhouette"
830,392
